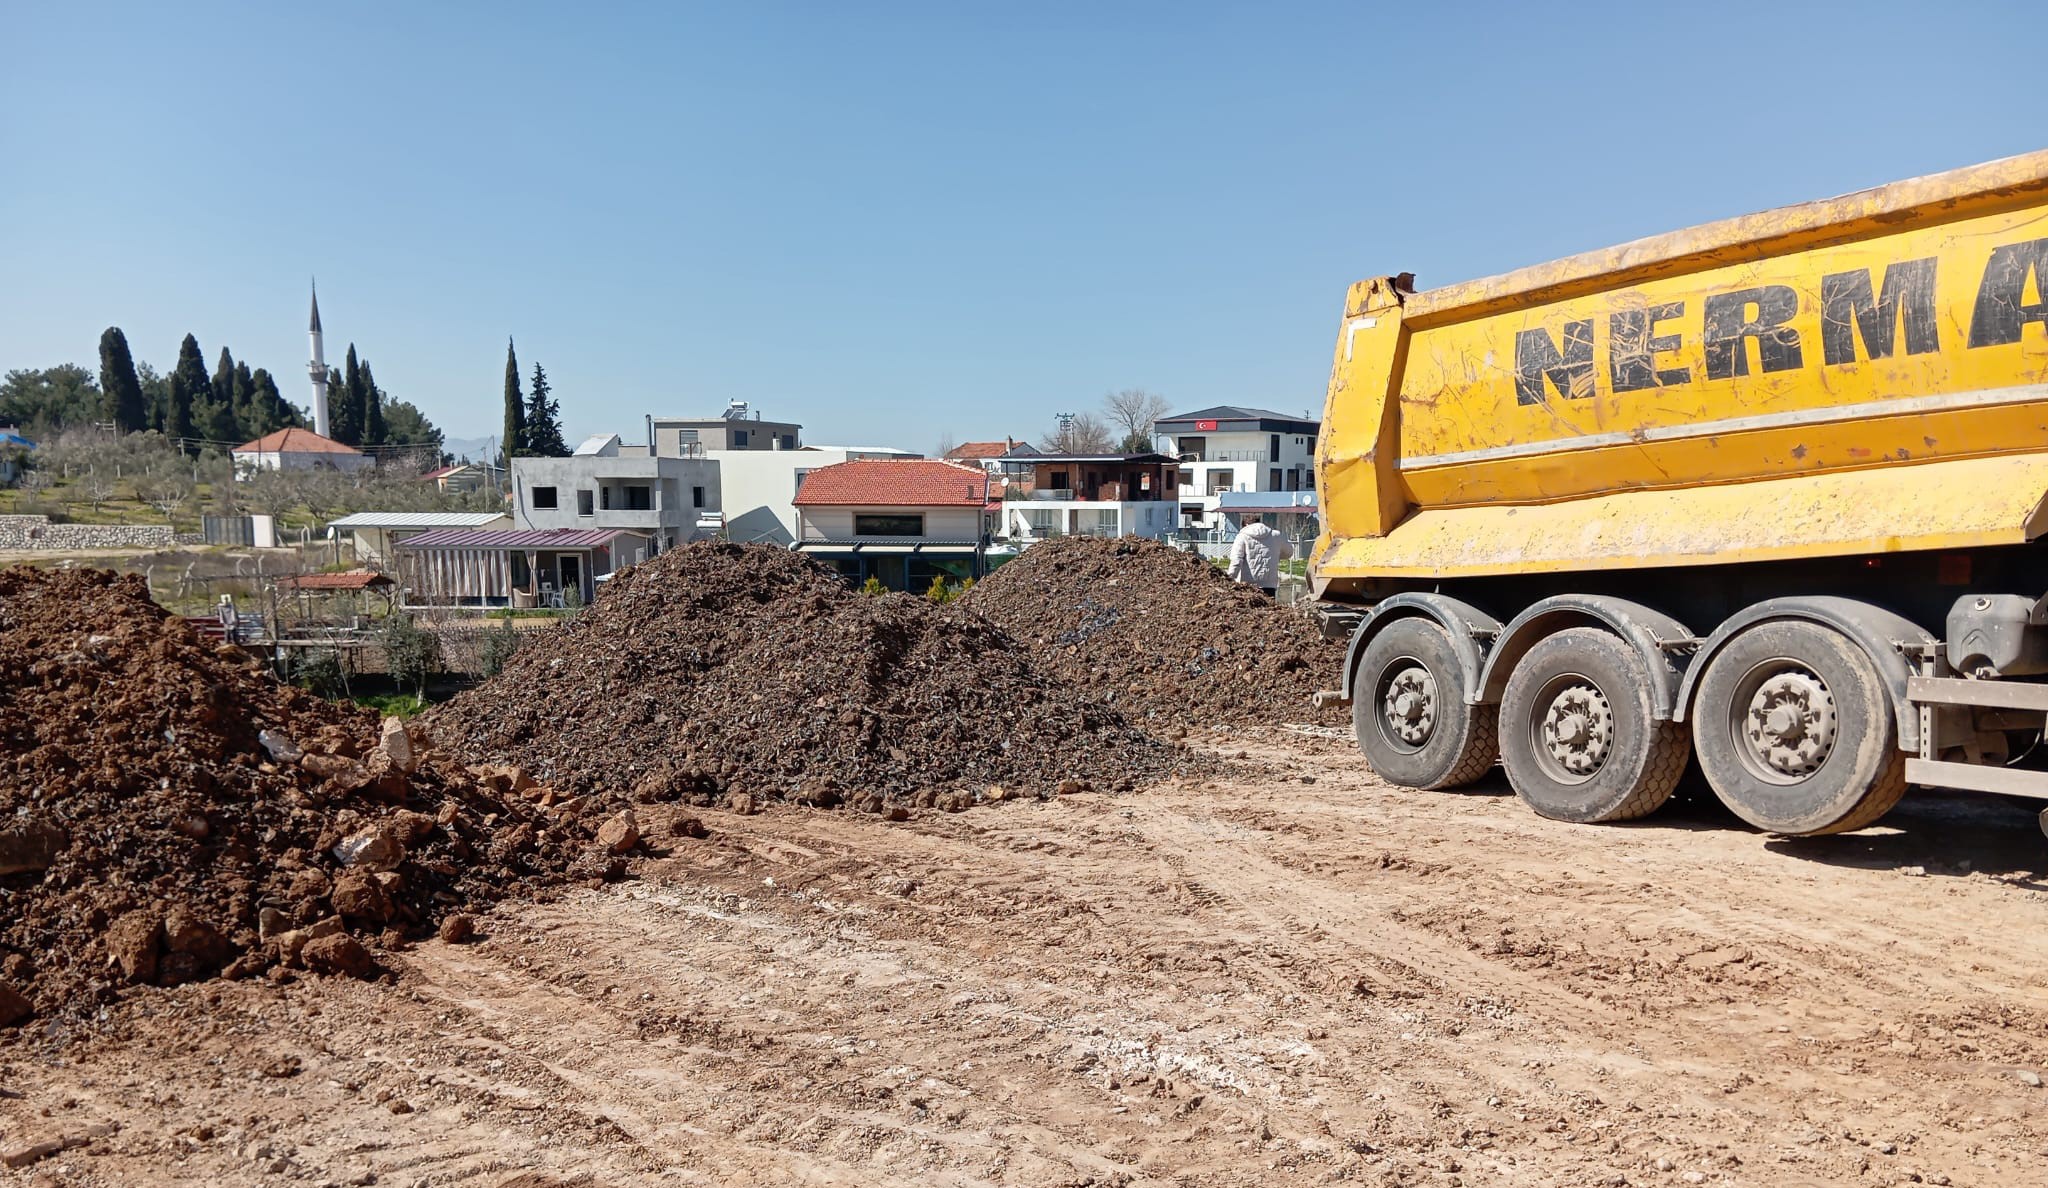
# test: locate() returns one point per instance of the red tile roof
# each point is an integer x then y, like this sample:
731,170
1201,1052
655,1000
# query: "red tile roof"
894,482
979,449
294,441
354,579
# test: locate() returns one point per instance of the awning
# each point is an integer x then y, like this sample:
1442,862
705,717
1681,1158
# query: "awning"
873,548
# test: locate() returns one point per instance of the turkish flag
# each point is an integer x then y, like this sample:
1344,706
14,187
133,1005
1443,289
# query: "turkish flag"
1206,426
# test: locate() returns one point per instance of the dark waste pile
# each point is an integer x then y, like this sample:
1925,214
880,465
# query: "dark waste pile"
169,812
737,674
1160,633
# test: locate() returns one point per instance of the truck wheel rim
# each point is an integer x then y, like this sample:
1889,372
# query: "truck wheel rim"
1408,704
1783,721
1572,729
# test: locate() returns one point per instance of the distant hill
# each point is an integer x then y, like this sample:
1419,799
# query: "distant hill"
476,449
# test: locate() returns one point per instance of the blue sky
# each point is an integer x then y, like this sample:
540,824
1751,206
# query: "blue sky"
896,221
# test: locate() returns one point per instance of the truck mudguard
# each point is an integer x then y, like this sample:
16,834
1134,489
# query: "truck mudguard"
1652,633
1881,634
1463,622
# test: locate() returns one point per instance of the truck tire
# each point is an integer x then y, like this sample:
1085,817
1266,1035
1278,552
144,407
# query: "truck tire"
1794,730
1409,713
1579,733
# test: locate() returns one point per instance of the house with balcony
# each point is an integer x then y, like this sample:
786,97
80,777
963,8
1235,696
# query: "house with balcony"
609,486
1231,448
1093,495
901,521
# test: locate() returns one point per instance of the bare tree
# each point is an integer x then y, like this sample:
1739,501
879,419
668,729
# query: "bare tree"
33,483
96,487
166,489
946,445
1080,433
1133,411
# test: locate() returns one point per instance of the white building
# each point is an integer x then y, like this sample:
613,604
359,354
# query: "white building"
607,485
1229,448
758,488
1092,495
296,449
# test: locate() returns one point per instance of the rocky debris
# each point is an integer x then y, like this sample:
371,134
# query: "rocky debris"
457,928
743,673
170,812
1159,634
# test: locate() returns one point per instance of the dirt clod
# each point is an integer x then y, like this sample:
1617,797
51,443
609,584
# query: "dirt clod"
458,928
338,953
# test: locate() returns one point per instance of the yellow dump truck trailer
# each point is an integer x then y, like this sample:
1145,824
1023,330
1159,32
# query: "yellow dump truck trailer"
1769,492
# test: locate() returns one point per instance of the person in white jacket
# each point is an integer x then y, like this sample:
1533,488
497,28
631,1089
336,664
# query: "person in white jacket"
1256,554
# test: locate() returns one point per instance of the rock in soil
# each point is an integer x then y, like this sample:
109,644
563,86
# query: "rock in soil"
338,953
747,671
1160,634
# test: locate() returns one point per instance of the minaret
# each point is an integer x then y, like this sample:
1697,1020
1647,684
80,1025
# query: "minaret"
317,368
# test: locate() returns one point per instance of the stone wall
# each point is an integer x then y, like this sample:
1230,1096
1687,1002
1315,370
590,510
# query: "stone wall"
37,532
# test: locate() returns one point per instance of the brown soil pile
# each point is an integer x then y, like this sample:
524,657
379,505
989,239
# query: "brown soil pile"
169,812
1160,633
745,672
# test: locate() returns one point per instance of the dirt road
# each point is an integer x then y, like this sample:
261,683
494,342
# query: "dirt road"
1264,980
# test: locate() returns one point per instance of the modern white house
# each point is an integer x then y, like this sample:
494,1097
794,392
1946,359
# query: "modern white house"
377,534
1092,495
1230,448
296,449
607,485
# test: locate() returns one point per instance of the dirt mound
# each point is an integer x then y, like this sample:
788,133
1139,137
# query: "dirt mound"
168,811
1160,633
746,672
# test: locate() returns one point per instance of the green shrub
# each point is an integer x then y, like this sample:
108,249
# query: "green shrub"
411,653
318,671
498,646
873,587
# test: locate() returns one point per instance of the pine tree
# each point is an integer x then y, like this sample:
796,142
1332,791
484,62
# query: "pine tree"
197,391
514,445
125,405
374,433
543,426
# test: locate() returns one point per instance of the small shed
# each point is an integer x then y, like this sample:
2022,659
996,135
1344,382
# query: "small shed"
485,567
318,593
378,533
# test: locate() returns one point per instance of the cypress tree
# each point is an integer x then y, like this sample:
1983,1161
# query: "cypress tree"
276,412
374,433
345,402
543,427
515,408
197,391
125,406
254,421
178,409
